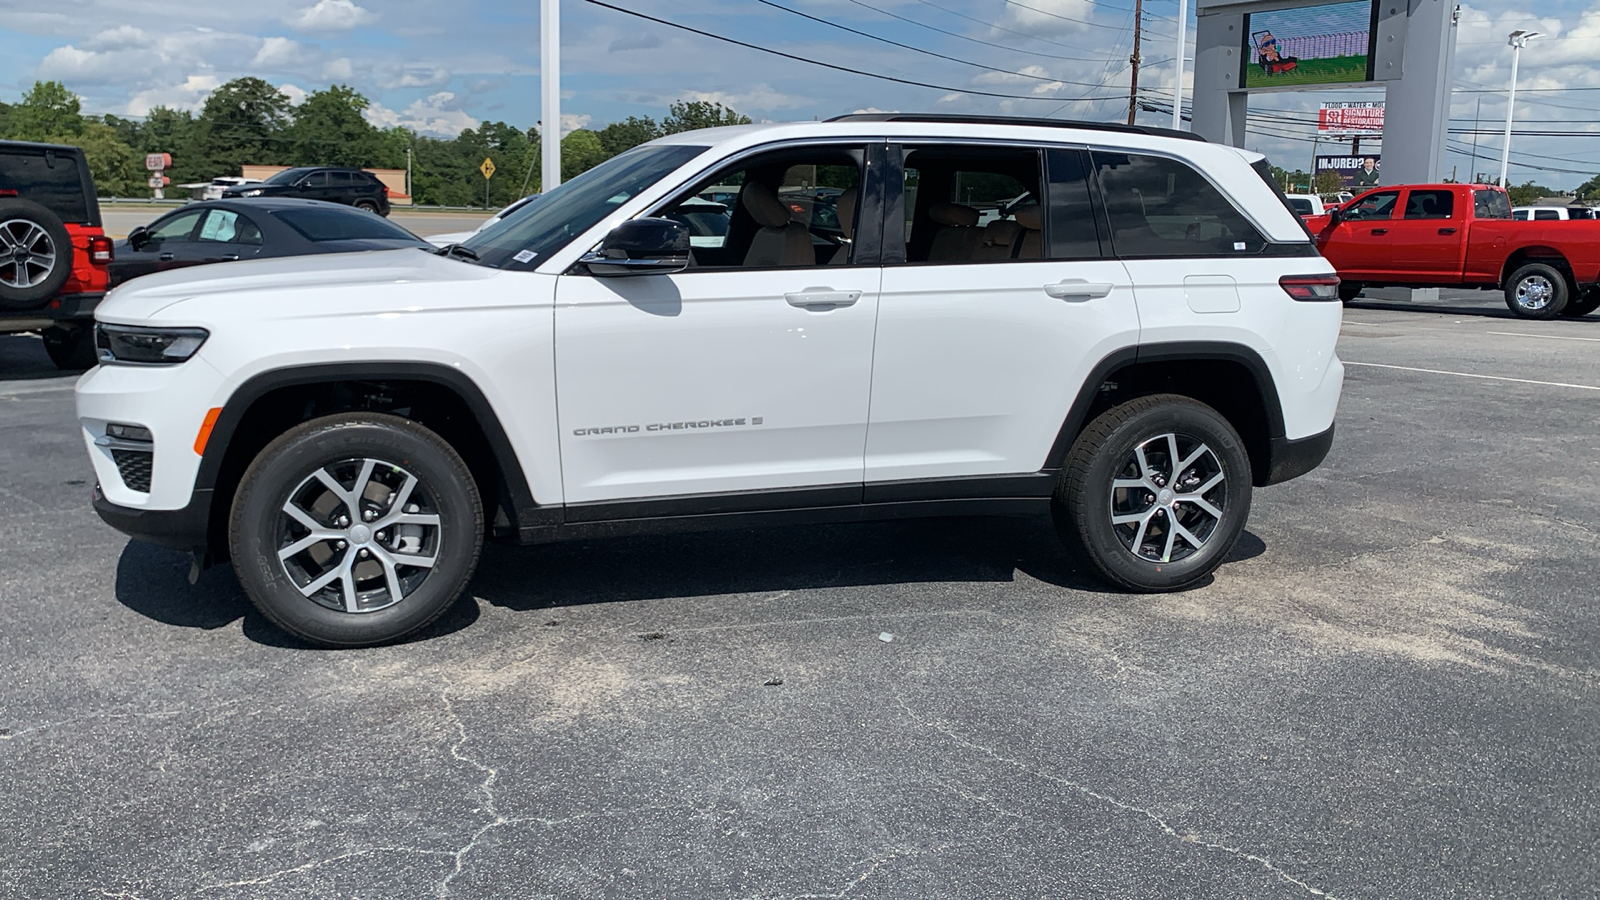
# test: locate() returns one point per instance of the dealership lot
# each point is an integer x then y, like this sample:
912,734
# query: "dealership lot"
119,220
1389,692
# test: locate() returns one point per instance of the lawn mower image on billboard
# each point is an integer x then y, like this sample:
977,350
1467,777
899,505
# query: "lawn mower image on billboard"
1312,45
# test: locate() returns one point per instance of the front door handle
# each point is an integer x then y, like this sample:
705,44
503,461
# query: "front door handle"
1380,231
1447,231
1077,289
822,299
166,257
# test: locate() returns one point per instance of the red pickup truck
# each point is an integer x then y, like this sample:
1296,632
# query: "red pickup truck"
1462,235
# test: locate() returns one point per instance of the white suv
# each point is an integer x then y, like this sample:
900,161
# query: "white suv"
1131,352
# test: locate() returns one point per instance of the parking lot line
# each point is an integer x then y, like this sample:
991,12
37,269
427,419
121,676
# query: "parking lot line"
1553,337
1581,387
40,387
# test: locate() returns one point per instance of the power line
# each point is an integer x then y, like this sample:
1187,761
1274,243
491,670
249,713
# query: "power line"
921,50
957,34
997,27
818,62
1045,12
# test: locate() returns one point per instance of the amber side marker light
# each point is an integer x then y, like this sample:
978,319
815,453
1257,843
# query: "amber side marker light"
205,430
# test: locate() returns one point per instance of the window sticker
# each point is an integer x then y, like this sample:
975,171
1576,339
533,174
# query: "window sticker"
523,256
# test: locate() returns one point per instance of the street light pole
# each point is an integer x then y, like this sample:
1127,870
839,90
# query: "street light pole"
1517,39
1177,86
550,84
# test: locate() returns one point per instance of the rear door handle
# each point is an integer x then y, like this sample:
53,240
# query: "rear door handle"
1447,231
1380,231
822,299
1078,289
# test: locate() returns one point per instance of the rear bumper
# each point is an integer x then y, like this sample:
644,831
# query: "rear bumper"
1296,457
77,307
180,529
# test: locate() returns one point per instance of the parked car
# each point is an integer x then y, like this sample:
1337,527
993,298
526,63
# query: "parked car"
1306,205
1462,235
218,185
53,251
258,228
351,187
1551,213
350,429
456,237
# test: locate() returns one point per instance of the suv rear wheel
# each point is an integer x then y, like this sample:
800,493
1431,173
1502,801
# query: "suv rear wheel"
1155,493
356,529
35,254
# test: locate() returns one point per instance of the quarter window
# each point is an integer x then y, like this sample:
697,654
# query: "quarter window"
1161,207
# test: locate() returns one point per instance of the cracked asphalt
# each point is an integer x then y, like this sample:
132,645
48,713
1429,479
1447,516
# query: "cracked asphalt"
1390,691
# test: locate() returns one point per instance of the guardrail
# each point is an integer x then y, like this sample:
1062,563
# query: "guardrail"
173,202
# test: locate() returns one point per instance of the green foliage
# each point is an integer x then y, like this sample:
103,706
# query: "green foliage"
1525,193
118,169
330,130
48,112
689,115
243,122
620,137
1589,191
1327,182
580,152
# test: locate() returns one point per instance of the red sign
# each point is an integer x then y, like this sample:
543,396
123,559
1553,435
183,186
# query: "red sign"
1346,119
155,162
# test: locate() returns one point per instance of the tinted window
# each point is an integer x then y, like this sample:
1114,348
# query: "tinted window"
336,224
1161,207
1546,214
317,179
227,226
1072,227
1300,205
177,228
338,179
539,229
972,204
1430,204
287,176
48,180
1373,206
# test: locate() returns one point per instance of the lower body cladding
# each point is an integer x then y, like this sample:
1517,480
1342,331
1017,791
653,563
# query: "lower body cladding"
187,527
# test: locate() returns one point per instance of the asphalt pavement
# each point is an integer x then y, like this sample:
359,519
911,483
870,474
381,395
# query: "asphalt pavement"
1390,691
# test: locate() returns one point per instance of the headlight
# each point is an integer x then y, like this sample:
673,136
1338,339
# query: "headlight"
149,346
253,192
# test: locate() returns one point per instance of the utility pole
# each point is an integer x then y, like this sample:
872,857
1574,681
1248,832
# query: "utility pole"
1177,86
550,84
1133,83
1518,39
1476,124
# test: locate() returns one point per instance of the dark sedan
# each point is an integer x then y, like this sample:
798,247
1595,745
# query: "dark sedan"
223,230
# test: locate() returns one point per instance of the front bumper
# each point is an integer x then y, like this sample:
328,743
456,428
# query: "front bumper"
180,529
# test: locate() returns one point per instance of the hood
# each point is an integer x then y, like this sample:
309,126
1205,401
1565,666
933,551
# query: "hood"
144,297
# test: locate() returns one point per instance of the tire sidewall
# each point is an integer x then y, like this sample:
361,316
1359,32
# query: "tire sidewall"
31,297
288,461
1186,420
1561,292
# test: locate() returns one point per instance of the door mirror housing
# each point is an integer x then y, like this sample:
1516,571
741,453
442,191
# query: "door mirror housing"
138,237
641,247
1335,217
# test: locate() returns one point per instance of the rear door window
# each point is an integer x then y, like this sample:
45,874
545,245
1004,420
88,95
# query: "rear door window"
1491,205
1161,208
1546,215
1430,204
49,179
227,226
1073,232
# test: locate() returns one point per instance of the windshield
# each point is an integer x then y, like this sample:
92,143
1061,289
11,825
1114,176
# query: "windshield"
287,176
530,234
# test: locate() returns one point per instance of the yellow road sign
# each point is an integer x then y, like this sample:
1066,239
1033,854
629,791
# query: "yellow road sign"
487,168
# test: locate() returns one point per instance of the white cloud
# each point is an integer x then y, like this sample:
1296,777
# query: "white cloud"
571,122
279,53
758,97
338,69
435,115
188,95
634,42
330,15
297,95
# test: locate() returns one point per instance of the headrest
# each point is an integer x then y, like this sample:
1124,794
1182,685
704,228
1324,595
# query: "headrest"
1001,232
847,212
1028,217
762,203
953,214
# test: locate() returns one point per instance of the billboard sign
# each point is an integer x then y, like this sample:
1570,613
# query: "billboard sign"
1308,46
1352,119
1358,172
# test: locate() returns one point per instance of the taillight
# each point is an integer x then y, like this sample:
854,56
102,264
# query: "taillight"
7,192
101,250
1310,287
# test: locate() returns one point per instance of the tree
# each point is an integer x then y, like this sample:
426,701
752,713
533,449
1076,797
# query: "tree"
1526,193
1327,182
117,168
580,152
173,131
1589,191
329,129
688,115
48,111
242,122
619,137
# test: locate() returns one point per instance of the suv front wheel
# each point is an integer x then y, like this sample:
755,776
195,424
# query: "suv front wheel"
1155,493
356,529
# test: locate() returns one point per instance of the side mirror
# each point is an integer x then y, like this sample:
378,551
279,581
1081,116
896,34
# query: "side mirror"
138,237
304,186
641,247
1335,217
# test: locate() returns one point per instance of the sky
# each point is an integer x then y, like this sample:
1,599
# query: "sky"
441,67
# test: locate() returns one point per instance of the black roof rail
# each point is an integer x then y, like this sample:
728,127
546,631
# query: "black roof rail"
1019,120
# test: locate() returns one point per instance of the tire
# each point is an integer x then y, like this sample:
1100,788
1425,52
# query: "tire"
1348,291
442,515
35,254
1537,291
1087,498
367,205
1588,303
71,347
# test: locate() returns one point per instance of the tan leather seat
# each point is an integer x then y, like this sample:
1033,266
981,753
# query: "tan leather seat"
1031,221
999,240
781,242
957,237
847,224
